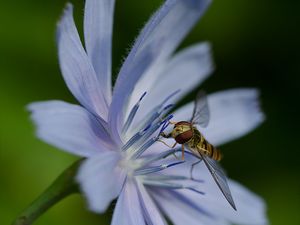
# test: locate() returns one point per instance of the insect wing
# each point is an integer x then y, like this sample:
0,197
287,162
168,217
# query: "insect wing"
201,112
219,177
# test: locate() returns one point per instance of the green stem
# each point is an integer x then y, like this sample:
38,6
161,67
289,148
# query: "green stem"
62,187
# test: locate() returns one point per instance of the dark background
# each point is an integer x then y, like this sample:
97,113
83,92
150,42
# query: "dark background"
255,44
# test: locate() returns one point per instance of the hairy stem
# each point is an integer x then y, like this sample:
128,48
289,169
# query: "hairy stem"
62,187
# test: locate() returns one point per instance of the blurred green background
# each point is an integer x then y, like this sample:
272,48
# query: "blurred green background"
255,44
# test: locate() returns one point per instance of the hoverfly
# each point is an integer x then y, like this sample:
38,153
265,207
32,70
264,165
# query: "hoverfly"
187,134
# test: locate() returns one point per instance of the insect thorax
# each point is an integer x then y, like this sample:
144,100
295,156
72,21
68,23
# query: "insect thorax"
196,139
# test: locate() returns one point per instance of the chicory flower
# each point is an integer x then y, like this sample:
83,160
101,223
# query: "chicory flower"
117,129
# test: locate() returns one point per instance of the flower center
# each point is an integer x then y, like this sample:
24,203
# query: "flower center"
129,165
149,168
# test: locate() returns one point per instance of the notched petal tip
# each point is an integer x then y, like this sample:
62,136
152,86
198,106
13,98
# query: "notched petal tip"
30,107
259,106
255,105
204,50
76,67
68,11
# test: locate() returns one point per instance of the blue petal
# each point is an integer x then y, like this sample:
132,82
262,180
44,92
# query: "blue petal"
152,214
168,25
251,208
98,23
128,210
101,180
76,67
69,127
233,113
162,33
184,71
182,211
123,90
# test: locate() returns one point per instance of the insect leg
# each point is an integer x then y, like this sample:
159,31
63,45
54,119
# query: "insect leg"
167,144
165,135
182,152
192,168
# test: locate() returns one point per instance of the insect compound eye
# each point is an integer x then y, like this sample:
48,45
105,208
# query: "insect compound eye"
184,137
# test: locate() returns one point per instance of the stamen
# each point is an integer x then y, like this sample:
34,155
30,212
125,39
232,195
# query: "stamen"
148,132
156,112
145,133
151,116
163,184
134,138
165,124
163,155
170,96
168,107
193,189
156,115
156,157
150,142
144,147
151,125
155,168
170,177
132,114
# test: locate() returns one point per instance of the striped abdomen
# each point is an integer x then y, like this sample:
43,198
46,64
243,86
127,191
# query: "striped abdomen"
210,150
205,147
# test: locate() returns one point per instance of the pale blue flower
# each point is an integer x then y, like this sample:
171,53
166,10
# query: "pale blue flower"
117,131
